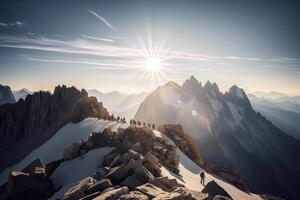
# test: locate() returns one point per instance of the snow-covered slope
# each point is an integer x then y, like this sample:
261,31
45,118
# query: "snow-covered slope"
70,172
53,148
190,176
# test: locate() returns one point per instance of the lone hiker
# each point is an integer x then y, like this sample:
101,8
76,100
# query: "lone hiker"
202,176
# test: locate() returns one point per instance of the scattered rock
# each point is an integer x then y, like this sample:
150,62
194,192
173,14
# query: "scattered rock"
118,174
213,189
99,186
79,190
165,183
134,195
113,194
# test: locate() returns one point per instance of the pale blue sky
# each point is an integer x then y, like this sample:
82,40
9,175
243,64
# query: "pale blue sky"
102,44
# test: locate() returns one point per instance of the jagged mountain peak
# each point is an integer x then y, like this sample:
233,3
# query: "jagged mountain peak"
192,84
237,91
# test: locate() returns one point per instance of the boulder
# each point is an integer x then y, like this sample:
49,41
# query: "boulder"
213,189
131,154
79,190
99,186
165,183
140,177
156,193
151,191
28,186
52,166
134,195
113,194
118,174
152,164
33,166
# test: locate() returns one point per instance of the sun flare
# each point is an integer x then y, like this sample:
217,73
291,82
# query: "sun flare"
152,63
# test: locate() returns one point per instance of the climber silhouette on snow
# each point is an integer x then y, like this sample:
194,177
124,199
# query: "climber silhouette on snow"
202,176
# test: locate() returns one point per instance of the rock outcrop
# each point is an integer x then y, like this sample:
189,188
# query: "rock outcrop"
6,95
28,123
30,183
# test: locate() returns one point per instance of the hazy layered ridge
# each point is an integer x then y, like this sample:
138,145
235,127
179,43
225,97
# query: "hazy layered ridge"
283,114
229,132
118,103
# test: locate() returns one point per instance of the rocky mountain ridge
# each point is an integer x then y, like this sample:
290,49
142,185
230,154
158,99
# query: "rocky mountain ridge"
28,123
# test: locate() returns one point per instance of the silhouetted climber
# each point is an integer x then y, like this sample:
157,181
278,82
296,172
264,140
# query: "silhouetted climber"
144,124
202,176
153,126
118,118
139,123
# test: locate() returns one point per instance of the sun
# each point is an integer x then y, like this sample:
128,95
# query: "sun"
153,63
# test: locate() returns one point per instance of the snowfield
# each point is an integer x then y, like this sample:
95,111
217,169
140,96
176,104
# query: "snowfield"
53,148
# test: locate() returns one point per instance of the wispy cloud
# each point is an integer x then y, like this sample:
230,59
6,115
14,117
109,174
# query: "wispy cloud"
120,55
12,24
111,65
102,19
97,38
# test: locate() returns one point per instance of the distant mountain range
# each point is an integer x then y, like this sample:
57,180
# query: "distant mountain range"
118,103
228,131
21,94
283,114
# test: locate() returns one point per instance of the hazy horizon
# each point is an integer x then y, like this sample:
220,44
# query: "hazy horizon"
136,46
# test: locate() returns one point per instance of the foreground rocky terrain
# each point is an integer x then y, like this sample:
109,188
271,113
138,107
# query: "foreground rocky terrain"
28,123
122,162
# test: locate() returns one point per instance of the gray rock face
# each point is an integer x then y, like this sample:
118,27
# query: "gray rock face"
28,123
228,132
6,95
